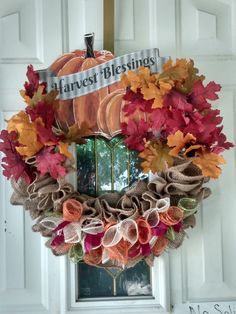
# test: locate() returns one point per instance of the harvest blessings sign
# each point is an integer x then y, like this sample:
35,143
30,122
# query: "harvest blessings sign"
105,74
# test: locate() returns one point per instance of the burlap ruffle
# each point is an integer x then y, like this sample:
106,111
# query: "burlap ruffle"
44,194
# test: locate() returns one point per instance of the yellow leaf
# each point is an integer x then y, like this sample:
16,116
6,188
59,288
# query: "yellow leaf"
178,141
27,134
165,87
77,134
156,155
175,72
153,92
209,164
169,64
63,149
186,85
132,79
138,79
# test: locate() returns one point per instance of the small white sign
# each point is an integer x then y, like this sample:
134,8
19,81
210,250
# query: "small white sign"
206,308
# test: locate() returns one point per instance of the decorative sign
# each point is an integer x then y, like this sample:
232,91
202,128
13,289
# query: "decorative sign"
105,74
206,308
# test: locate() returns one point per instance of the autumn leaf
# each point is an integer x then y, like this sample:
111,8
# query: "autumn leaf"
175,72
178,101
192,150
77,134
137,79
45,135
156,155
34,91
43,110
13,164
33,82
153,92
135,101
209,164
136,133
39,96
186,85
132,80
27,134
63,149
48,161
179,141
201,94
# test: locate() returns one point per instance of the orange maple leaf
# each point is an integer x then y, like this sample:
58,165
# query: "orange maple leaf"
138,79
27,134
209,164
156,155
178,141
175,72
153,92
63,149
78,134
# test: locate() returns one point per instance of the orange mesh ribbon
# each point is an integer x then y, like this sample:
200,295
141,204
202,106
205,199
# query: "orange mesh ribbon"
94,257
119,252
144,231
72,210
159,246
172,216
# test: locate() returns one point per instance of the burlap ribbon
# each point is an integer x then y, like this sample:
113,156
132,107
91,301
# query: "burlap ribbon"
183,180
44,194
122,221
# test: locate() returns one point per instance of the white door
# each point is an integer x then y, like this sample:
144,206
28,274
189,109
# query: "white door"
202,274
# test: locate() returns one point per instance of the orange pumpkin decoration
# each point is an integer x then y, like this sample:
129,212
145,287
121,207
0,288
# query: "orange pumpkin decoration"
83,108
111,115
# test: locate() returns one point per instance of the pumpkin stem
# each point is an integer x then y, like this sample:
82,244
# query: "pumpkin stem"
89,41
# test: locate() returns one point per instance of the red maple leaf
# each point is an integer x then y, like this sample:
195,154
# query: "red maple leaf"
159,118
178,101
177,120
42,110
221,141
135,101
136,133
45,112
200,94
46,135
49,161
33,84
13,165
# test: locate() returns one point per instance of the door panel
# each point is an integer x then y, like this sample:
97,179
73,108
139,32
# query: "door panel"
25,37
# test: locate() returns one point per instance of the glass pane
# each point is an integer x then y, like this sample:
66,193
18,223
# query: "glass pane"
94,282
135,281
107,165
97,282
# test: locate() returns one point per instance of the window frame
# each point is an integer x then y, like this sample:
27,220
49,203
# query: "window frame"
160,303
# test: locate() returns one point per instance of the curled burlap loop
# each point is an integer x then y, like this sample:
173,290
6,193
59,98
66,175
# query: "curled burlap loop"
44,229
20,193
47,194
182,180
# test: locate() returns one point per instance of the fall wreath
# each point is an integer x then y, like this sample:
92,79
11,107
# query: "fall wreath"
168,120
